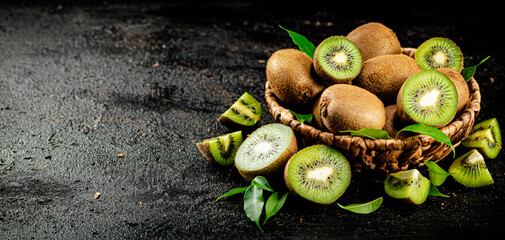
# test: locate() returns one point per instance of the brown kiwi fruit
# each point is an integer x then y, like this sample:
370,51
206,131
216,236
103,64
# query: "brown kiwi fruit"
393,123
384,75
316,113
349,107
374,39
292,77
461,86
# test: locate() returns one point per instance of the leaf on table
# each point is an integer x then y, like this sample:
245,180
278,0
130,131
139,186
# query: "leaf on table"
437,174
262,183
233,192
274,204
435,193
363,208
253,204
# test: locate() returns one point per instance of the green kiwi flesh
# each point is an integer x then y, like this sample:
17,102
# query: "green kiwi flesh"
221,150
243,113
337,60
486,137
409,186
428,97
470,170
318,173
439,52
265,151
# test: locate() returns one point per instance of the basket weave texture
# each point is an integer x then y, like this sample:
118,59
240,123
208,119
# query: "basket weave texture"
384,155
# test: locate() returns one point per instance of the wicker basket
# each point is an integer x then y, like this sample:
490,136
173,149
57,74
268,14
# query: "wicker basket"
384,155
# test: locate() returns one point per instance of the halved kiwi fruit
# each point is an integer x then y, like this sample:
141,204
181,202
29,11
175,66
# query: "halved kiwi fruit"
318,173
266,151
470,170
486,137
461,86
439,52
221,150
428,97
243,113
337,60
408,186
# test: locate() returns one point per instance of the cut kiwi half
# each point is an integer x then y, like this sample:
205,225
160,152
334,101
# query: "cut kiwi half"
470,170
337,60
318,173
439,52
408,186
221,150
243,113
428,97
266,151
485,137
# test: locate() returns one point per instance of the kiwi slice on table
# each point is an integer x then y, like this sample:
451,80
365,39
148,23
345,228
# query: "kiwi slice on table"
222,149
486,137
266,151
409,186
337,60
318,173
428,97
470,170
244,113
439,52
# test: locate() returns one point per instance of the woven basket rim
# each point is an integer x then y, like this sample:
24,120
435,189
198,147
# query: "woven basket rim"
283,115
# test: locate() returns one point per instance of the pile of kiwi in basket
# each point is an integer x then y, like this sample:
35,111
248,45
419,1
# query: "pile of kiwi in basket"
360,80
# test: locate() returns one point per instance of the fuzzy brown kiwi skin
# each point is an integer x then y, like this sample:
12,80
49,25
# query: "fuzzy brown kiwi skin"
384,75
204,148
316,113
292,77
393,124
276,167
461,86
349,107
374,39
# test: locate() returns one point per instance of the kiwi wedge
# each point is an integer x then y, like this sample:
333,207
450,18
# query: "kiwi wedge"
292,77
221,150
265,151
374,39
439,52
337,60
485,137
408,186
244,113
470,170
428,97
318,173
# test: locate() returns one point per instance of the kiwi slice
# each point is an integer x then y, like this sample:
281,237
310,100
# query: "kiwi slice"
244,113
337,60
408,186
428,97
439,52
470,170
222,149
318,173
485,137
266,151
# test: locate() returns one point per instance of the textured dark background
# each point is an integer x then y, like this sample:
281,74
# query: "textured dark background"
83,82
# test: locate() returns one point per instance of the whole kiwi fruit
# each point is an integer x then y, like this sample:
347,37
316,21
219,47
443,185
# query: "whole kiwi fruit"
384,75
394,124
374,39
348,107
461,86
292,77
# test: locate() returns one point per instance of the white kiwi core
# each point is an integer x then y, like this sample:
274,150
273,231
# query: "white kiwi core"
430,98
340,58
321,173
263,147
440,58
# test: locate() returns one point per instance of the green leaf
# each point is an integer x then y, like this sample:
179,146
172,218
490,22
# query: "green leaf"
468,72
435,193
437,174
363,208
274,204
262,183
233,192
303,43
303,117
253,204
369,133
433,132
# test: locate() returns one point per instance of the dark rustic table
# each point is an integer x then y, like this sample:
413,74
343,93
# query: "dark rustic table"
102,103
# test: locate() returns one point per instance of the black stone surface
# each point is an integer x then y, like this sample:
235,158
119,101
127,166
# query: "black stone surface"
81,83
